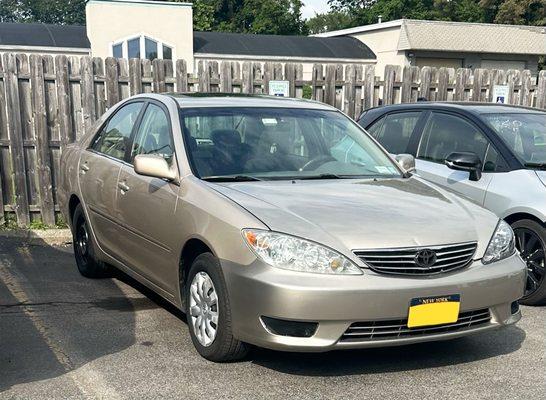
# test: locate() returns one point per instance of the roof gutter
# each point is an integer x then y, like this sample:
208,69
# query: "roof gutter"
285,58
360,29
45,49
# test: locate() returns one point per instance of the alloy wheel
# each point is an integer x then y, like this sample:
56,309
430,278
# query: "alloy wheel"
532,251
204,308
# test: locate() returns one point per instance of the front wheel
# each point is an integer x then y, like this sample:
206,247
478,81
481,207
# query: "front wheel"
531,243
208,312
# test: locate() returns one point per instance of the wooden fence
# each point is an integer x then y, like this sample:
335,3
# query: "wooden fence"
47,102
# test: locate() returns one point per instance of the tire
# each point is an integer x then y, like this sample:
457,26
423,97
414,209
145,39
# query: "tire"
526,228
222,346
84,248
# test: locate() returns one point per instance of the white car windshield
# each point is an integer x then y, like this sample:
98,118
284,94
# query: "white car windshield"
524,134
279,143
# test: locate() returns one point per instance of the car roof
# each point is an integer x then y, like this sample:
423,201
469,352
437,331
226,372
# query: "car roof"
197,100
472,107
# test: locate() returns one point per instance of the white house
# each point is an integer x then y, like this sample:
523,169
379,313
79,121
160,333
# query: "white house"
160,29
451,44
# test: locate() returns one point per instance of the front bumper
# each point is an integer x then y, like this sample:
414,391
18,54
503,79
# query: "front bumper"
336,302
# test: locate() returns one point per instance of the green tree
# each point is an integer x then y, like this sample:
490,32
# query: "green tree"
258,16
517,12
329,21
45,11
203,15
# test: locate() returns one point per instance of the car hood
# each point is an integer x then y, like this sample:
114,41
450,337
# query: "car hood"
360,214
542,176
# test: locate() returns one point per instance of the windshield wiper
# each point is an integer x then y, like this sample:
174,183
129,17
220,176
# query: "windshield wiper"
236,178
330,176
535,165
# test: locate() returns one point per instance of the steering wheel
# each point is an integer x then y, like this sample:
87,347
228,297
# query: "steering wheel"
316,162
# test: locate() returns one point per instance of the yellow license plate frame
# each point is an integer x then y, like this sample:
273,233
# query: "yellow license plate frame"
431,311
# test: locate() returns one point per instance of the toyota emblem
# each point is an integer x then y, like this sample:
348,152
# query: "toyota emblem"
425,258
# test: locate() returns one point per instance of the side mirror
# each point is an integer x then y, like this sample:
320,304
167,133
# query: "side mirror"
154,166
406,161
466,161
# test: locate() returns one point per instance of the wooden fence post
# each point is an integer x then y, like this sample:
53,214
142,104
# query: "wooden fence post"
290,76
461,80
4,139
159,75
112,81
43,157
391,72
15,131
541,90
330,85
350,90
368,86
181,76
525,98
226,77
318,75
247,84
63,100
135,76
88,93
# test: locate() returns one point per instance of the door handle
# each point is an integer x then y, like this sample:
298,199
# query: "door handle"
84,167
123,187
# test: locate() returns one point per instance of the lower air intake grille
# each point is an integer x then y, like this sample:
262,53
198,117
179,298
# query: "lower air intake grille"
419,260
394,329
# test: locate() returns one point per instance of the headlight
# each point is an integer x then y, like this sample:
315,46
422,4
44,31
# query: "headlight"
502,244
289,252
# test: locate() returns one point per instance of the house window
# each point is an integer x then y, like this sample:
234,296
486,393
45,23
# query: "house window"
117,50
133,48
167,53
151,49
142,47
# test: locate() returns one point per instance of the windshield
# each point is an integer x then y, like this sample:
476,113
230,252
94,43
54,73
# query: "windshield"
279,143
524,134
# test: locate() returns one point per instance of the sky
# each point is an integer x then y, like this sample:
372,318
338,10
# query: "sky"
314,6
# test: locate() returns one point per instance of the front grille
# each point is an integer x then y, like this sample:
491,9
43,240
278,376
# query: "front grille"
394,329
402,261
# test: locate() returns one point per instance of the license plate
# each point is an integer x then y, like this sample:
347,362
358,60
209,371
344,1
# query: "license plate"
429,311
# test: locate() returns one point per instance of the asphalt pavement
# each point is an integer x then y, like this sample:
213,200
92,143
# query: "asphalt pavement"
66,337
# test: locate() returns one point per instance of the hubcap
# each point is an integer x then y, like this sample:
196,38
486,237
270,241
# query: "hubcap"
203,308
532,251
82,240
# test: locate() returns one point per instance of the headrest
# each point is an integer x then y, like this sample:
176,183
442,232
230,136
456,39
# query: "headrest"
228,137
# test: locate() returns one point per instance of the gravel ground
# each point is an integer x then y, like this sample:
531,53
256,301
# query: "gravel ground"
63,336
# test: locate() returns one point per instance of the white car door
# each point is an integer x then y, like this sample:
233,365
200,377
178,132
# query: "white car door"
445,133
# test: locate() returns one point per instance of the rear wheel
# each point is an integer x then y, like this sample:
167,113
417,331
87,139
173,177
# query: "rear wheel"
208,312
84,250
531,243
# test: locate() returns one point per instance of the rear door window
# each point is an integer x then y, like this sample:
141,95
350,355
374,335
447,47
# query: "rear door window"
395,130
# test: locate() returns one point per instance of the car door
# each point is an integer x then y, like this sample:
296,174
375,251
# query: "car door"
99,169
445,133
394,131
145,206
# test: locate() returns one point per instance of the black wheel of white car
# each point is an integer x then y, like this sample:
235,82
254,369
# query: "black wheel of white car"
208,312
531,243
84,250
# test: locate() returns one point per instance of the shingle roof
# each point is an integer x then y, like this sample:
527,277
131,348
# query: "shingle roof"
43,35
280,46
472,37
74,36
